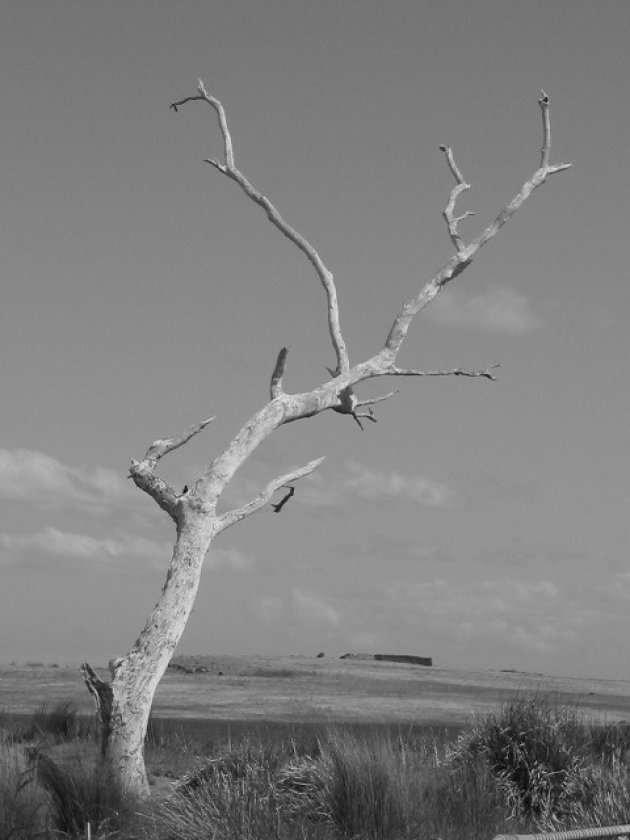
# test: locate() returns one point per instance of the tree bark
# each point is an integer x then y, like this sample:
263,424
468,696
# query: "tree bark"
124,704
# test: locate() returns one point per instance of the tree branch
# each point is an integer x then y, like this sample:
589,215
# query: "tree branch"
464,256
484,374
325,276
233,516
449,211
349,404
278,373
374,400
278,507
143,472
160,448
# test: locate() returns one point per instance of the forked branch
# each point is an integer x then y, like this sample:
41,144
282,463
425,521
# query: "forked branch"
449,211
465,253
339,393
143,472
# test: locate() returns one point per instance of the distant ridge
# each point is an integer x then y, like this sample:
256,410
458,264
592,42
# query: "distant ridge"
391,657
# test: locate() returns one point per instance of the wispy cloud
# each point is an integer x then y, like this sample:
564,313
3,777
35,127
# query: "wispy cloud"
533,615
498,309
313,610
71,546
68,546
40,480
229,558
371,484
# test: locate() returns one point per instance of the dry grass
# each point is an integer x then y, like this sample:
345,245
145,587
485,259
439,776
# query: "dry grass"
326,690
534,763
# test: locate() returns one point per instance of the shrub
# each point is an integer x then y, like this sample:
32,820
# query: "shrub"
83,795
538,751
611,743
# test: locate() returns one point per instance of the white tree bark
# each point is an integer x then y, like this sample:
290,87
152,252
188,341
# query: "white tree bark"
124,703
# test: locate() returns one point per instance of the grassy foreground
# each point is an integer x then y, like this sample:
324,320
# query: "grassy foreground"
535,765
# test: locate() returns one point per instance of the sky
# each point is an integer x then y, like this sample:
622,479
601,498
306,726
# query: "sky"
484,524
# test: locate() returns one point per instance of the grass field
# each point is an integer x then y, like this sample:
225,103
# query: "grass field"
308,689
273,748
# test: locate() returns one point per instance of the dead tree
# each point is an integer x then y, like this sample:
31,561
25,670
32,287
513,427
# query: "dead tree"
124,702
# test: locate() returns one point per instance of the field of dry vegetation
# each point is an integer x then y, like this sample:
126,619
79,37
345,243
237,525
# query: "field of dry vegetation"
321,748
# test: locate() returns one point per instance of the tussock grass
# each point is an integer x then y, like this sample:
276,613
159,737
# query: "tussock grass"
369,785
555,770
83,794
464,801
60,721
533,765
23,805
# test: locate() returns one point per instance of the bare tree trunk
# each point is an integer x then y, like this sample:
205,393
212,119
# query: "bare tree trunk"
124,704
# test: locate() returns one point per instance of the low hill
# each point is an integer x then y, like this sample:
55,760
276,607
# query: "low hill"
298,688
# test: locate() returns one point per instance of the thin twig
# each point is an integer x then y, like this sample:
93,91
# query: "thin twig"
475,374
279,505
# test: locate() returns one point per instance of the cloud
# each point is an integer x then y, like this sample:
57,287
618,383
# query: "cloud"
319,491
496,310
370,484
55,543
40,480
229,558
529,615
29,549
312,610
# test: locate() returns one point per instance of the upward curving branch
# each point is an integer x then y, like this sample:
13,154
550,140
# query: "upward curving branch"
234,516
465,253
230,170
